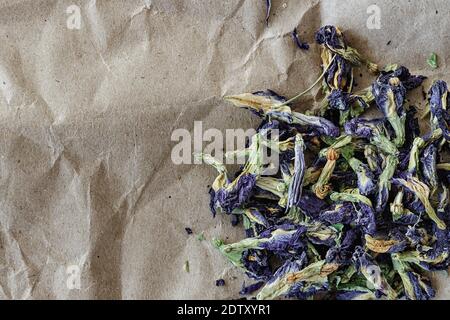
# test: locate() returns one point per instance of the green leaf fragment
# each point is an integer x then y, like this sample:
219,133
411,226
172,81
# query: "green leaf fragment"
186,266
432,61
201,237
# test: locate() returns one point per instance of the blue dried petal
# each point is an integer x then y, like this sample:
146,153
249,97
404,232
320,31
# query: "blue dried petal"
402,242
342,254
246,290
422,287
256,263
289,267
363,128
268,8
284,241
366,219
320,125
415,236
366,178
339,213
354,295
310,204
271,94
407,219
428,164
304,290
389,91
438,107
220,283
212,202
351,236
365,264
339,100
302,45
339,74
229,200
329,36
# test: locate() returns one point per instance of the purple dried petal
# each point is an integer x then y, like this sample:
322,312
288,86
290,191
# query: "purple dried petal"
328,35
229,200
339,213
246,290
438,110
298,42
268,8
220,283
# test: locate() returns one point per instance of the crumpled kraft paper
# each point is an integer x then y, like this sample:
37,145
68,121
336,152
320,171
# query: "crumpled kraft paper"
92,206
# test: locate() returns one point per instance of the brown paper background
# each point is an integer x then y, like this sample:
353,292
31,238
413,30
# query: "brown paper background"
86,117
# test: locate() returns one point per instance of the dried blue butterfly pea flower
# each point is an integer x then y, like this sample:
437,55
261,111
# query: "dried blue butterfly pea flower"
256,264
417,287
338,75
321,125
428,164
319,233
422,192
270,105
421,286
342,253
364,128
372,272
373,158
285,221
305,290
366,184
365,214
366,218
333,40
384,184
277,278
255,216
390,106
416,236
374,130
283,238
389,91
229,199
292,280
247,255
331,37
400,214
438,106
339,100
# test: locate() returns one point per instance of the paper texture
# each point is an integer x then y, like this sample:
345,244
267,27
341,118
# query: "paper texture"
87,184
